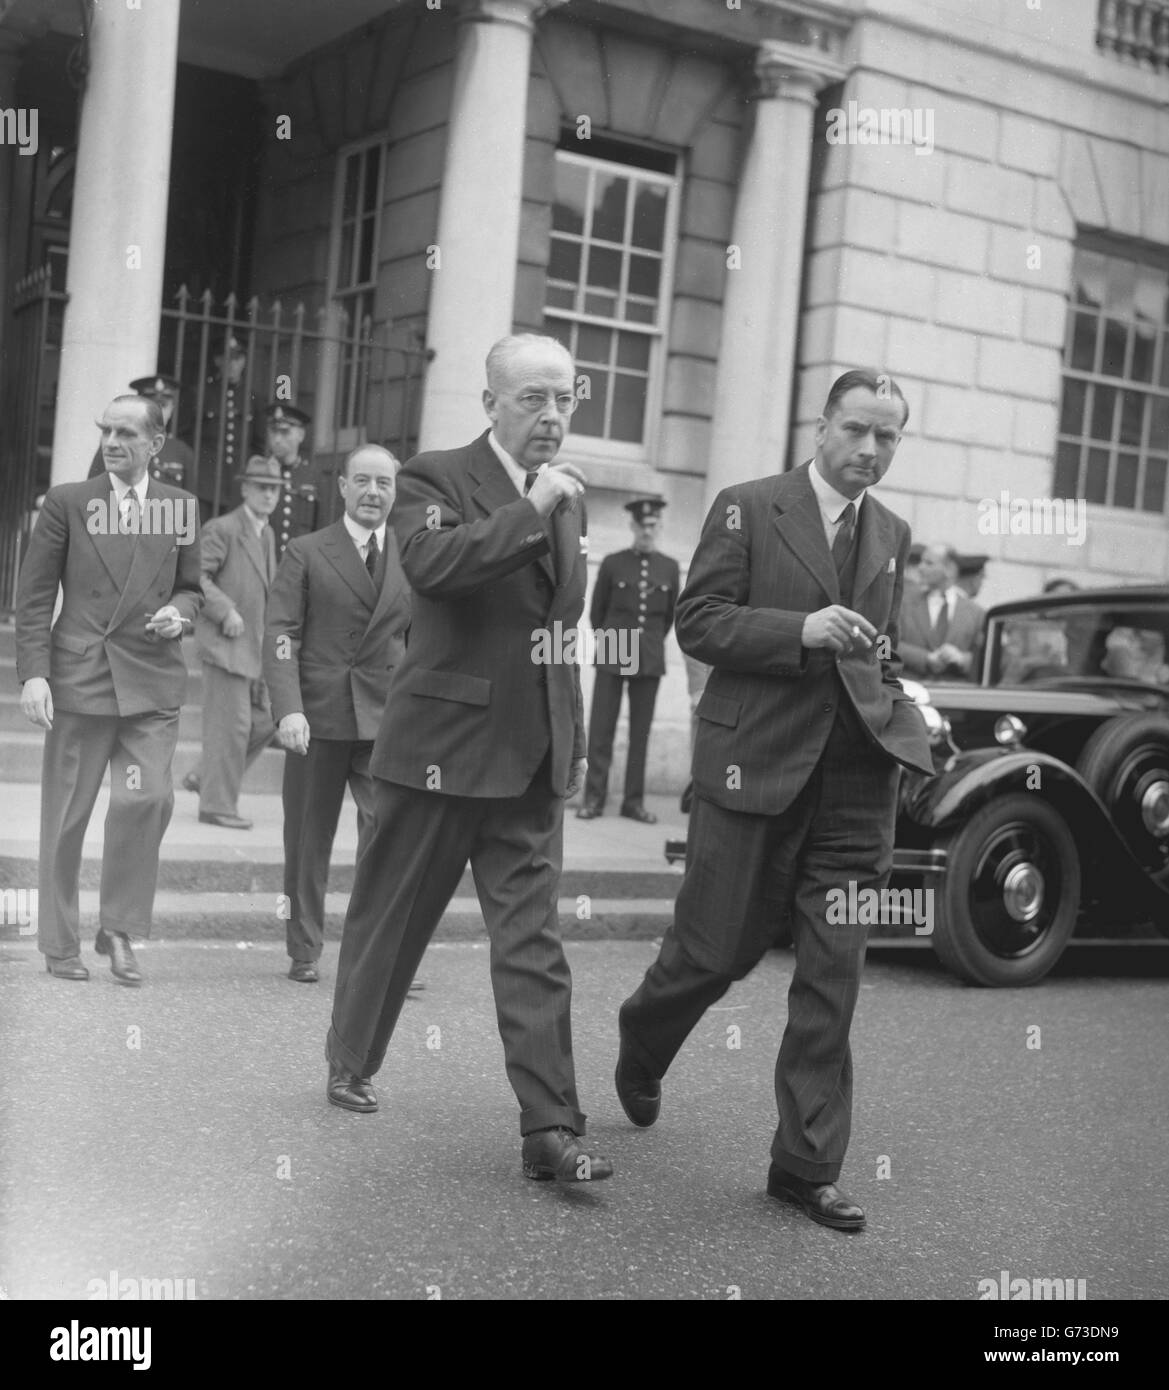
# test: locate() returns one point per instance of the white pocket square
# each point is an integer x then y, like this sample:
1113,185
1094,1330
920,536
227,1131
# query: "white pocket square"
892,565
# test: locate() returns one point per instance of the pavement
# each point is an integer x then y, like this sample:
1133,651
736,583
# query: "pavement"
180,1132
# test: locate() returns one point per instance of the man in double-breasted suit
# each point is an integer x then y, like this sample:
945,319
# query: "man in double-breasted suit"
238,566
107,679
337,619
940,625
481,743
792,599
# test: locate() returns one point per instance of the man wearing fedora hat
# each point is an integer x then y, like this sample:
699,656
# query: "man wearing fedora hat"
238,566
174,462
634,599
304,507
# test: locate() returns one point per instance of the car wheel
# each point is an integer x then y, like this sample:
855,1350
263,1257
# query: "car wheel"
1126,763
1010,895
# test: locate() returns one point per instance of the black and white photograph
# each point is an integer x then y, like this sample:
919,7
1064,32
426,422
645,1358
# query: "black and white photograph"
584,635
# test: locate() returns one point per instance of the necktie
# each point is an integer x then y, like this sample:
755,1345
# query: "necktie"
371,554
941,623
843,542
129,510
529,481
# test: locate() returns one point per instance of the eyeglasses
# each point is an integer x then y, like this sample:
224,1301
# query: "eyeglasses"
532,403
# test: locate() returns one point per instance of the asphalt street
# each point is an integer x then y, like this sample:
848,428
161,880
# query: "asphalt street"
180,1131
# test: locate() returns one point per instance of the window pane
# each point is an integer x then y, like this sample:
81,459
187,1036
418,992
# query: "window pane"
352,173
1143,343
644,275
1071,416
372,160
560,297
603,305
1096,484
1159,424
628,408
1067,469
604,270
1115,339
572,183
1089,274
1132,416
649,216
633,351
345,264
638,312
1122,279
609,194
1084,342
1105,399
594,344
365,260
561,331
1124,492
1164,373
590,414
564,260
1155,472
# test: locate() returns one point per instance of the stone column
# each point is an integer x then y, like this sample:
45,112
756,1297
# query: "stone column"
472,292
10,50
749,434
117,240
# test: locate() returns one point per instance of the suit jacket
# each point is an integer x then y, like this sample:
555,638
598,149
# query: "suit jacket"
332,640
236,573
761,566
471,712
619,604
98,658
963,632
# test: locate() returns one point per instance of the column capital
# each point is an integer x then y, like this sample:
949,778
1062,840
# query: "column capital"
522,13
793,71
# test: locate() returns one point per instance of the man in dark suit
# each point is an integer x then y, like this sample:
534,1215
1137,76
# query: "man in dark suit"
633,611
238,566
107,679
940,626
481,743
792,599
337,618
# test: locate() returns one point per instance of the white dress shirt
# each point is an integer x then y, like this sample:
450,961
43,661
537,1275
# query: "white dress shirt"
515,471
832,503
360,535
122,489
936,597
258,521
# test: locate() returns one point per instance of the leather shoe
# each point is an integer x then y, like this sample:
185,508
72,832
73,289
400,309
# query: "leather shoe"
822,1201
416,987
640,1093
116,945
223,819
350,1092
304,972
68,969
191,782
588,812
561,1154
631,812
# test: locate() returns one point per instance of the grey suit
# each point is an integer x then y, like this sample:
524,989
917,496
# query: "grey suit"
919,637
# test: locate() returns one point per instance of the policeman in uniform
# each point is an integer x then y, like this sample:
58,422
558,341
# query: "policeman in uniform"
174,462
241,428
971,574
635,594
302,508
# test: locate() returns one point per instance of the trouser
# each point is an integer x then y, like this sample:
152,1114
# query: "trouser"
743,874
606,706
406,876
237,727
312,793
138,750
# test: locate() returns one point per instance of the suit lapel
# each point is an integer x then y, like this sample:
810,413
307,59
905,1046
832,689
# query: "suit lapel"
494,489
115,551
338,548
149,554
876,542
251,543
800,525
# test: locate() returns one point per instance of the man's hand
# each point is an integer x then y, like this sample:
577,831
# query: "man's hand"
232,625
167,622
36,700
838,628
559,483
294,733
954,656
576,773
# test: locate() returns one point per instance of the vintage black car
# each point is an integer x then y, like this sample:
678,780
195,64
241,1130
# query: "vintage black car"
1049,809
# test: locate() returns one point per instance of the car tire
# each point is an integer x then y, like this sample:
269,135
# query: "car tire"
1126,763
1010,894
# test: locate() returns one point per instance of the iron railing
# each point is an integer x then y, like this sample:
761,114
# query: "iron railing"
1135,31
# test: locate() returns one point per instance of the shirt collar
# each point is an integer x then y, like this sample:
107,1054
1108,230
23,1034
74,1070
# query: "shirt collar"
515,471
361,534
121,487
832,503
258,522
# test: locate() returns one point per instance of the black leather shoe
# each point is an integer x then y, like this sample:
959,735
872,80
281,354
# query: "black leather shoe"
822,1201
116,945
304,972
558,1153
68,969
631,812
640,1093
191,782
223,819
588,812
416,987
350,1092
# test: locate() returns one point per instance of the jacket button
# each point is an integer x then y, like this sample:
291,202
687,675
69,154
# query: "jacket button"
827,709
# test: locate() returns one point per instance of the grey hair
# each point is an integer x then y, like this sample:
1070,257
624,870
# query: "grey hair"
505,351
366,448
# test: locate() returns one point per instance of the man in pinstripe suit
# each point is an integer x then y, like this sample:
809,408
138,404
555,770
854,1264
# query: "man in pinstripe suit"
792,599
481,743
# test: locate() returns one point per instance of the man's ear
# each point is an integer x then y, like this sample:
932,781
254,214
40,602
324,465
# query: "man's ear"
489,402
821,429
